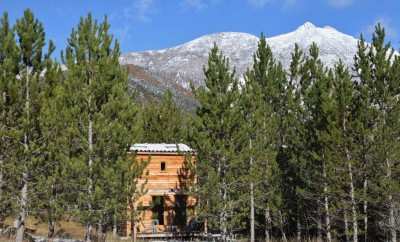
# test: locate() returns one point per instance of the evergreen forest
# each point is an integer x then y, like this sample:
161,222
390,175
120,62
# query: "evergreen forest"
309,153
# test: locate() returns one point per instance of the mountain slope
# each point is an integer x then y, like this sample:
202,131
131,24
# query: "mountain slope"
150,88
180,65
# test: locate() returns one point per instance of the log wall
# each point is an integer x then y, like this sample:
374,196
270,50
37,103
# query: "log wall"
174,181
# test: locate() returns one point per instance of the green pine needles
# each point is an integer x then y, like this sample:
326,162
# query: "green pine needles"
306,153
65,130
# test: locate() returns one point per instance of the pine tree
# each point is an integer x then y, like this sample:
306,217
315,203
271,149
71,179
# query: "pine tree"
8,106
316,94
217,125
342,133
363,128
52,182
261,84
375,65
103,121
291,160
31,41
163,121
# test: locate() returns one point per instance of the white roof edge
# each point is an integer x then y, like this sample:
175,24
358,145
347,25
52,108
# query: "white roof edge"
161,147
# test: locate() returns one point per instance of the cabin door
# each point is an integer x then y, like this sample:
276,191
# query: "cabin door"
157,210
180,210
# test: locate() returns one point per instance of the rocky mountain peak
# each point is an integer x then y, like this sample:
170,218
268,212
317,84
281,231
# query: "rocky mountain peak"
306,26
182,64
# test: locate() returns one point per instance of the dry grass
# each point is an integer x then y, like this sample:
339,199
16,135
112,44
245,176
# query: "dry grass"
74,230
65,229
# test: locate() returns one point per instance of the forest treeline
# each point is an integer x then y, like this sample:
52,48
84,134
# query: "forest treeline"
306,153
311,152
65,129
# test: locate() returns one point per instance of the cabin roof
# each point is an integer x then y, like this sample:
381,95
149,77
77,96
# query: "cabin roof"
168,148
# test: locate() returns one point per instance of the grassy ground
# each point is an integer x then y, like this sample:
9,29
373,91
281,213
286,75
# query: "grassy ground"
65,229
74,230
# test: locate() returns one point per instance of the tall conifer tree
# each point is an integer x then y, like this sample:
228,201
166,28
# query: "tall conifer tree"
52,182
375,66
31,41
341,133
103,119
316,95
163,121
291,156
364,120
216,140
259,97
8,110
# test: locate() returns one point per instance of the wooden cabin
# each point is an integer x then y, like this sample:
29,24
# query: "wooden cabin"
166,206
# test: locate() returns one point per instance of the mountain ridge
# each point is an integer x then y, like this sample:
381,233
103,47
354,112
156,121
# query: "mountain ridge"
183,64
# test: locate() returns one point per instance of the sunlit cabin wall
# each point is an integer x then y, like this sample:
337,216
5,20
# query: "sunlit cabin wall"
175,180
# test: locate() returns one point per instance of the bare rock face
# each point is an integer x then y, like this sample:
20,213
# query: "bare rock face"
183,64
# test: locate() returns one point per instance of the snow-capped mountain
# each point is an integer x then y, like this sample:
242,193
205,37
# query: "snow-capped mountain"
333,44
184,63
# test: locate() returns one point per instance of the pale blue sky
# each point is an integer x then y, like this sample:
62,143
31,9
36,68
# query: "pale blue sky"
154,24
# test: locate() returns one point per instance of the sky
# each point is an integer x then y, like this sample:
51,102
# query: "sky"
154,24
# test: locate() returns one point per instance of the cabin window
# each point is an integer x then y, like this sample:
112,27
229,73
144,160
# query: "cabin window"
162,165
157,208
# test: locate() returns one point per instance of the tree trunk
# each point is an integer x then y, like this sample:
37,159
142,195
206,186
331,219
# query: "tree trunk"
114,230
51,229
392,222
89,227
221,213
224,213
101,235
307,230
133,223
206,226
206,219
352,192
353,202
346,226
133,230
23,209
268,221
365,207
223,194
319,229
327,219
284,239
252,227
326,206
50,218
298,226
1,190
4,96
24,190
88,232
